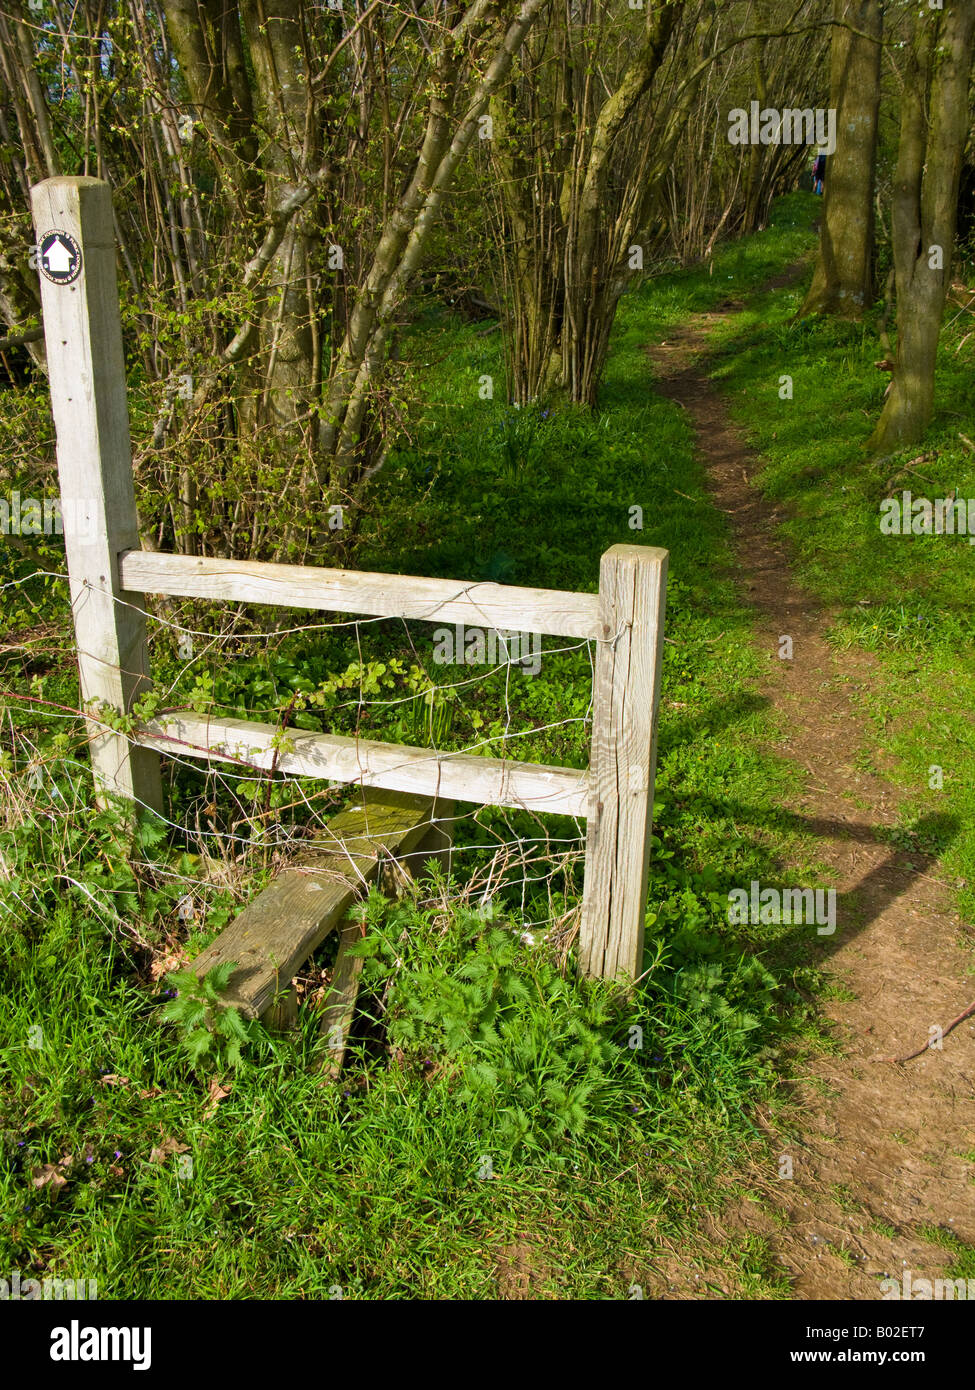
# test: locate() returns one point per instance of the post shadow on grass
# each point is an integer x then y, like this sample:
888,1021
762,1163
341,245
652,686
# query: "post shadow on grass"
715,718
858,906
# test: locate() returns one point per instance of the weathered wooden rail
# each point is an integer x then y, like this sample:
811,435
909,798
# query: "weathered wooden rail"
109,575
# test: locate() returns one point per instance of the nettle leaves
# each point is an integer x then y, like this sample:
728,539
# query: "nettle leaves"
213,1031
533,1055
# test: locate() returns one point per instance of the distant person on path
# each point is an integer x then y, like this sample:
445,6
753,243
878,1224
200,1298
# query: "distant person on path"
819,172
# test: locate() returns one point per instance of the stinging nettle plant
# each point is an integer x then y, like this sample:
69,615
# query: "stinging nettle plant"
213,1031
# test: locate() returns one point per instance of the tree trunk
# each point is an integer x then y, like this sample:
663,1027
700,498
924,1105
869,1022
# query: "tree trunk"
348,442
527,159
755,184
843,279
265,143
596,238
934,127
278,48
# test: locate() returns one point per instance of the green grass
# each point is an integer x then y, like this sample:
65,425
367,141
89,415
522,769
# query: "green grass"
909,601
963,1264
473,1044
376,1186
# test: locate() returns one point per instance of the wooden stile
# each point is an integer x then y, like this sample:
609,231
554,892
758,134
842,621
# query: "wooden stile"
109,575
337,1015
281,928
398,766
446,601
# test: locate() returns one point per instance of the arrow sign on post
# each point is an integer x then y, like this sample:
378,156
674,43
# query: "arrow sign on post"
60,258
75,236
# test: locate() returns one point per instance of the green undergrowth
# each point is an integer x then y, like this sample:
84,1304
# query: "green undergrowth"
489,1102
498,1120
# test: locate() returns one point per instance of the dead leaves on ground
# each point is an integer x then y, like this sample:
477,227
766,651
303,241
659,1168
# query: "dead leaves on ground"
111,1079
215,1096
167,1146
53,1175
167,961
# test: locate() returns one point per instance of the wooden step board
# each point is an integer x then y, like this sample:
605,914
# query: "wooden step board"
339,1007
279,930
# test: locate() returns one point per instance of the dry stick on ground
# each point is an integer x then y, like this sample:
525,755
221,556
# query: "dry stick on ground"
965,1013
909,468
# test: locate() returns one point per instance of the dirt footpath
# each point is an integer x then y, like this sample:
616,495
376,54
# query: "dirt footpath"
887,1148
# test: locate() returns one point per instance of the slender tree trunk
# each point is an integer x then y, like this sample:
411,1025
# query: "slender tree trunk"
264,138
278,48
527,158
209,46
756,153
347,447
934,127
594,274
843,279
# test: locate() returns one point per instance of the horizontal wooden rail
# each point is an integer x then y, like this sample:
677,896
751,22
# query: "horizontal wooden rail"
503,607
398,767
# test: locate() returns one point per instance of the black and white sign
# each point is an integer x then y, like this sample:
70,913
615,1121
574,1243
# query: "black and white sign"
59,257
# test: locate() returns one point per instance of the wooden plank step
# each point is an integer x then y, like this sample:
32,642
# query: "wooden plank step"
340,1002
339,1008
285,923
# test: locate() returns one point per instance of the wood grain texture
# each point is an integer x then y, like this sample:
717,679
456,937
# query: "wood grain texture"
339,1009
285,923
488,781
436,844
626,696
395,873
86,366
499,606
283,1013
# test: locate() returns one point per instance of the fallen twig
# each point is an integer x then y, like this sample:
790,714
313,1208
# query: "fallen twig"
965,1013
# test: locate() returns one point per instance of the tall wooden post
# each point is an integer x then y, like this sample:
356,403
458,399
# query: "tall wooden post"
626,695
82,330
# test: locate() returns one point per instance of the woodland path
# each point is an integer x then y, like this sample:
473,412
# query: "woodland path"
881,1147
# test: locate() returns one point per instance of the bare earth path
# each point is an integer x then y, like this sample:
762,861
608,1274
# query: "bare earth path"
886,1148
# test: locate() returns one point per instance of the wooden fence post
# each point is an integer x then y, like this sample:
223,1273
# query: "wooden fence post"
75,248
626,693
